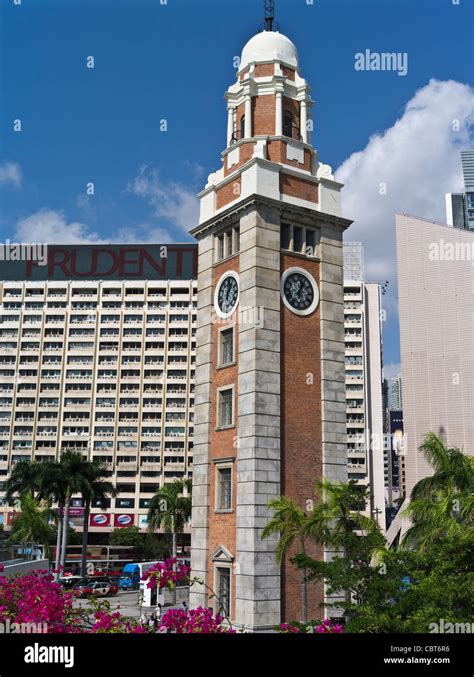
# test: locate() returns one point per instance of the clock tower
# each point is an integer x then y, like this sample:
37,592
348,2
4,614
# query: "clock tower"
270,411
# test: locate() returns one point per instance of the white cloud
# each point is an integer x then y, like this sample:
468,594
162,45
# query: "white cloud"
145,232
49,226
169,200
418,160
10,172
391,370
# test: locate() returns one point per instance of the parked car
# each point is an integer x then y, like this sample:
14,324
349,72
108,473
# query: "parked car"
83,589
114,586
68,582
100,589
112,581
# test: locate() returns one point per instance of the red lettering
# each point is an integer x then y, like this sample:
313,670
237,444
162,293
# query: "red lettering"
95,268
146,256
124,262
61,262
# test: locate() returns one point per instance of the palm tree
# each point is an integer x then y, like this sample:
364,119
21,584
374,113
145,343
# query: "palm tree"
31,525
170,510
291,522
74,467
24,479
441,504
97,488
53,488
337,519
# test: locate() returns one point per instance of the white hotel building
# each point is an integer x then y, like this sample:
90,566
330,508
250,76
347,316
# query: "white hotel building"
105,368
363,355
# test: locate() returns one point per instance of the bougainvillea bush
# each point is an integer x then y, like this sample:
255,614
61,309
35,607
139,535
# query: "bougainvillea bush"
320,627
167,574
193,621
34,598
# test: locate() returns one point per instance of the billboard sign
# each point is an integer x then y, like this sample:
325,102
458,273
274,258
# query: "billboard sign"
124,520
99,520
99,262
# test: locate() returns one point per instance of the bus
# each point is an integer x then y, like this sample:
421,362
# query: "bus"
100,558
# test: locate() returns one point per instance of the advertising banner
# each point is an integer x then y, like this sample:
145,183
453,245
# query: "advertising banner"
124,520
99,520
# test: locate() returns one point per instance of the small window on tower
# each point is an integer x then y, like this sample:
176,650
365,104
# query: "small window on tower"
242,127
229,249
224,488
237,239
223,589
285,236
297,239
226,410
226,347
288,125
220,247
310,242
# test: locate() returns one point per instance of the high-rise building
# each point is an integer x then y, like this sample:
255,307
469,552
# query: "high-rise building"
97,352
435,285
396,398
270,390
363,357
460,206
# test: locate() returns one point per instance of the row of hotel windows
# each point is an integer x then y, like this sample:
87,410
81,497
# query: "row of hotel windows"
93,291
86,319
92,305
109,446
106,402
88,359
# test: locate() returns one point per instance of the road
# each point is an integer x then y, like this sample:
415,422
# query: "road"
126,602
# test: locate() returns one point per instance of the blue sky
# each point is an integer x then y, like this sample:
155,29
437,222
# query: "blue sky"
174,61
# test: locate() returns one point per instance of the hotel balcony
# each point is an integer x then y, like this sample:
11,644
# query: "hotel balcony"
126,465
146,466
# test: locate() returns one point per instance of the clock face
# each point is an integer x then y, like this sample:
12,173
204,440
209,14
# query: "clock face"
227,295
299,291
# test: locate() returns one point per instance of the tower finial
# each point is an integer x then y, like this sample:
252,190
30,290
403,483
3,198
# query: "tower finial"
269,14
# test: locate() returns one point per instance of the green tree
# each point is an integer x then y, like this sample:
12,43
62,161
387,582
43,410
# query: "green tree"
291,522
25,478
31,525
77,478
53,487
170,509
441,504
337,520
127,536
96,488
406,590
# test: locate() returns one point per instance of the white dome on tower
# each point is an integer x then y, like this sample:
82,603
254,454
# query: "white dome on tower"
269,46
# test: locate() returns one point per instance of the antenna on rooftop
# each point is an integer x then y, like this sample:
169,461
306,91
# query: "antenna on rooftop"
269,14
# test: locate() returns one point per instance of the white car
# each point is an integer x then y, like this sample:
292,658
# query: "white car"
100,589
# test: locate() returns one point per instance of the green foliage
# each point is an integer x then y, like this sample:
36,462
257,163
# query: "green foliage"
73,537
169,508
441,504
156,547
428,578
31,524
127,536
291,522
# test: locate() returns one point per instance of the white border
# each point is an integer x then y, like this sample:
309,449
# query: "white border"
315,302
230,273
